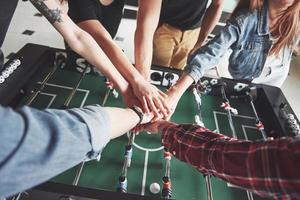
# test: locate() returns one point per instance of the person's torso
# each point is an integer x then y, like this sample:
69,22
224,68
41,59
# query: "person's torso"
183,14
252,47
109,16
7,9
82,10
274,72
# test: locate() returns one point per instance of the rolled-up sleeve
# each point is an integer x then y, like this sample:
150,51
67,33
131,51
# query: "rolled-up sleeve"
99,125
209,55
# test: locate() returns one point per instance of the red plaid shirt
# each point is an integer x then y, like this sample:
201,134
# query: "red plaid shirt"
268,168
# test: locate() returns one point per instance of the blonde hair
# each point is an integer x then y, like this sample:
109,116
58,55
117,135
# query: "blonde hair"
287,27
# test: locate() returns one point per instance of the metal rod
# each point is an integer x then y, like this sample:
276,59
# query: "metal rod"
228,111
72,93
262,130
66,104
200,123
198,116
45,80
249,195
167,157
129,150
78,173
128,154
208,187
229,116
125,167
18,196
168,165
106,97
231,124
131,138
111,89
122,186
167,191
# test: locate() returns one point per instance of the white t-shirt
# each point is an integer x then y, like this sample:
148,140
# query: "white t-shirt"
274,72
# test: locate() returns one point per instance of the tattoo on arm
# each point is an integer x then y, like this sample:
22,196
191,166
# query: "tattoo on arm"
53,15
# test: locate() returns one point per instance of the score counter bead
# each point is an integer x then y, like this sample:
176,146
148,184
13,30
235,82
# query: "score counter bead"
14,67
2,79
5,74
10,70
16,62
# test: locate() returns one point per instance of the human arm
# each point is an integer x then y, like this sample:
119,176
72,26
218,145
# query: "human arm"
209,55
37,145
210,19
80,41
267,168
151,98
203,59
177,90
147,22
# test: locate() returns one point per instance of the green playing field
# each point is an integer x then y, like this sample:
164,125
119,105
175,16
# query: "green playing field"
147,162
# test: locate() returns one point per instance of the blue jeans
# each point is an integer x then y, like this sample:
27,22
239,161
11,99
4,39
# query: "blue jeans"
37,145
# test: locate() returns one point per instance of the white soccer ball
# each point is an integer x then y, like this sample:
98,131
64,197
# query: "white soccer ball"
154,188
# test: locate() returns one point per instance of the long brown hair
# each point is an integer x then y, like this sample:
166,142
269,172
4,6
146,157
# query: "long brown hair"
287,27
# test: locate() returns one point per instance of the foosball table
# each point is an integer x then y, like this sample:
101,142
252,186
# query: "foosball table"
137,166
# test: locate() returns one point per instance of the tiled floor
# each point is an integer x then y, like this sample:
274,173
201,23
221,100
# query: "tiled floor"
45,34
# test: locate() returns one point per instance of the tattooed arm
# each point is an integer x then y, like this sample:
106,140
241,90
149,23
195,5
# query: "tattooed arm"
80,41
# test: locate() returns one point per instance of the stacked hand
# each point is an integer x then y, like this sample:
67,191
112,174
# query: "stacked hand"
157,125
151,99
130,99
153,124
155,104
147,117
153,127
